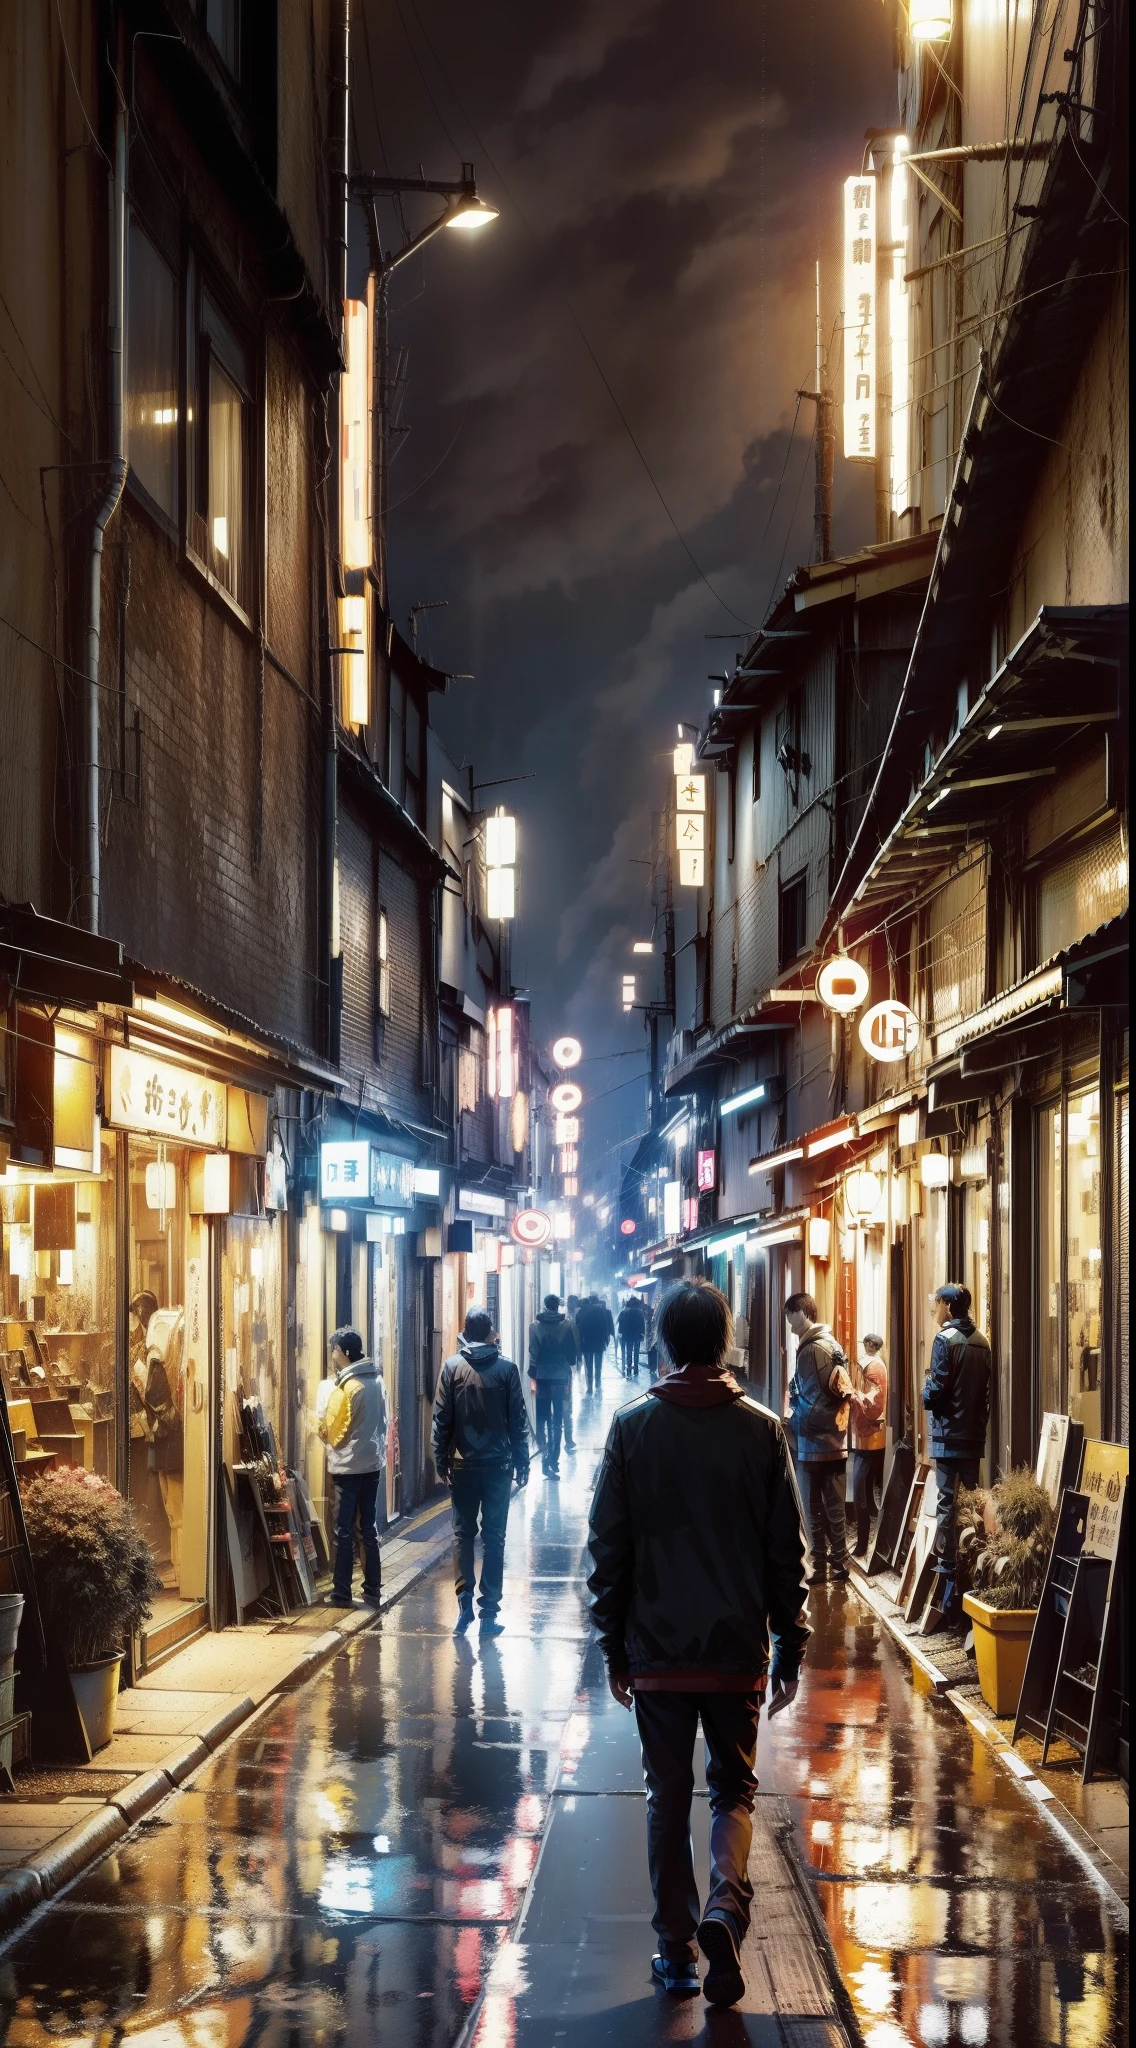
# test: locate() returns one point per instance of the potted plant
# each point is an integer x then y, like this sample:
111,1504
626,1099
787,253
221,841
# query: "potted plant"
96,1581
1005,1540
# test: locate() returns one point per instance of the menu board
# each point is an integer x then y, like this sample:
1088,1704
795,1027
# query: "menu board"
1104,1469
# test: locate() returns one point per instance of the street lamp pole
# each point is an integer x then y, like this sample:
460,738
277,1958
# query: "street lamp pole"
464,210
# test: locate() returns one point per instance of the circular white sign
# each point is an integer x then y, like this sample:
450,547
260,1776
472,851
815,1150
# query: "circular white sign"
567,1052
531,1227
889,1031
566,1097
842,985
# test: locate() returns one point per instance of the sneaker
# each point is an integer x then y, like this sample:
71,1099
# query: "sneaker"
840,1574
465,1614
340,1600
372,1599
719,1944
552,1471
680,1979
818,1576
490,1626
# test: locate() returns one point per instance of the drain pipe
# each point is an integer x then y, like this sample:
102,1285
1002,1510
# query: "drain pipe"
105,513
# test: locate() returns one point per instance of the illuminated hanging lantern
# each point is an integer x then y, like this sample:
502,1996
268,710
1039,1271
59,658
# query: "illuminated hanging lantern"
929,20
862,1192
842,985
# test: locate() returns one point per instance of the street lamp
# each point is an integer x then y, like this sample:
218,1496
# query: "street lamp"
465,210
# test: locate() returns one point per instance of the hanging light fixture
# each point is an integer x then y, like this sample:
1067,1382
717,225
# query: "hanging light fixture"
862,1192
929,20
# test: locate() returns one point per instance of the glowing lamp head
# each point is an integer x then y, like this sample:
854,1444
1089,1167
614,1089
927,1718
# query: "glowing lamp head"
929,20
471,214
567,1052
862,1192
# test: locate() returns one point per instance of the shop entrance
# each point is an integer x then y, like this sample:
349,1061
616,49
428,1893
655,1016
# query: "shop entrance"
170,1383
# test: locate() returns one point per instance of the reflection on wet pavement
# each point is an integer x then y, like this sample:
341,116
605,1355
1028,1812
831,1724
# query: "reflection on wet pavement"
352,1868
957,1913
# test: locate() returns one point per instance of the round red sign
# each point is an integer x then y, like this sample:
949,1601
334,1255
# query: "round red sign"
627,1227
531,1227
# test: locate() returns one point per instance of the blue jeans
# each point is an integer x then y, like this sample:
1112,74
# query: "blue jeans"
357,1495
480,1490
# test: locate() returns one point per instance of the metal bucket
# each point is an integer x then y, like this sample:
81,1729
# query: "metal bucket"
96,1695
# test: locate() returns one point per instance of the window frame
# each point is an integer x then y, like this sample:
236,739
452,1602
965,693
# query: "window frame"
213,328
171,522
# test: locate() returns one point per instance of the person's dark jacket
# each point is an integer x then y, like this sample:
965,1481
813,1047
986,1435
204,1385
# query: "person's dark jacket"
480,1416
956,1390
818,1397
594,1324
553,1348
632,1322
697,1546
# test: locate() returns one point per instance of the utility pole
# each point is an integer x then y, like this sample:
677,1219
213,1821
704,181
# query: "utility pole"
824,445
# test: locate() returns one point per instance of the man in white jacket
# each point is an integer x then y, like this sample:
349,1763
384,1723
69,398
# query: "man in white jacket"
353,1425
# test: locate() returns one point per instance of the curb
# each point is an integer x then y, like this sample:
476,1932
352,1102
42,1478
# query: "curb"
1101,1867
937,1680
25,1888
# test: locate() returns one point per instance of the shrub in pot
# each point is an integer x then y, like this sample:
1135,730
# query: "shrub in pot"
1005,1540
96,1581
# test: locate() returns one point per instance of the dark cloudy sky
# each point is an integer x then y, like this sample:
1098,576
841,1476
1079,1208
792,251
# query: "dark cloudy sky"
667,174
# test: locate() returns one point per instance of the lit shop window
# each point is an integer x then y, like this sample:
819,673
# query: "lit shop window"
151,400
382,961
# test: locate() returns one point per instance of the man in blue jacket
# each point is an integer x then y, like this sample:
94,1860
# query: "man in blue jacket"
698,1561
480,1439
956,1394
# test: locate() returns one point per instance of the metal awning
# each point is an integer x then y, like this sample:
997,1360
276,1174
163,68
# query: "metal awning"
43,960
1060,683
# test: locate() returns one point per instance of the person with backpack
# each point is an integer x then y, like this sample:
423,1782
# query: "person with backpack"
819,1405
553,1352
480,1441
352,1422
697,1575
632,1330
956,1394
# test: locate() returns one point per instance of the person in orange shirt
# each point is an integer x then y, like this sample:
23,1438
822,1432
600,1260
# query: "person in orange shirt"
869,1437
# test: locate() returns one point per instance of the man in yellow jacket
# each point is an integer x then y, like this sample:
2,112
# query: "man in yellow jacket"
353,1425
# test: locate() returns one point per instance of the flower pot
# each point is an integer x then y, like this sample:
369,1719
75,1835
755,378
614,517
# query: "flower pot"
11,1610
1001,1645
95,1687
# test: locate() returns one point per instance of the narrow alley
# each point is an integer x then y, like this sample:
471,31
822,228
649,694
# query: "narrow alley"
439,1840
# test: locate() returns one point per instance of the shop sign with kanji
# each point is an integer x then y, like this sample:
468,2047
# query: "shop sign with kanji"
165,1101
345,1170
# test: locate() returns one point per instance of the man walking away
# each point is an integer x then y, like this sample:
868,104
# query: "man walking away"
553,1352
353,1425
818,1404
594,1326
869,1437
480,1438
698,1560
956,1393
632,1330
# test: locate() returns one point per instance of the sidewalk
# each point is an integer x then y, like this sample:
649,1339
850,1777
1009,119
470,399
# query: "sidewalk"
175,1719
1093,1817
575,1970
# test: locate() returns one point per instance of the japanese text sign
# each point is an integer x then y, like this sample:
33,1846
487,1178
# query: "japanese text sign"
860,318
1104,1475
345,1171
392,1179
154,1096
690,793
707,1171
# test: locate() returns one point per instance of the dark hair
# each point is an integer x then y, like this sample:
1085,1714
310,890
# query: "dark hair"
956,1296
552,1301
695,1324
144,1305
802,1304
872,1342
478,1325
349,1342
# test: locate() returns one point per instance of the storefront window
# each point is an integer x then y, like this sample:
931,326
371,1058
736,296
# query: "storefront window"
1083,1273
312,1359
1069,1257
57,1288
168,1364
252,1325
1049,1258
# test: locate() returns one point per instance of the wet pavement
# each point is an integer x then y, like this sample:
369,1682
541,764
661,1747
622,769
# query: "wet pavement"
358,1865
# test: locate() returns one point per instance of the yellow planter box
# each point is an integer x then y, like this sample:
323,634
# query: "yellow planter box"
1001,1646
